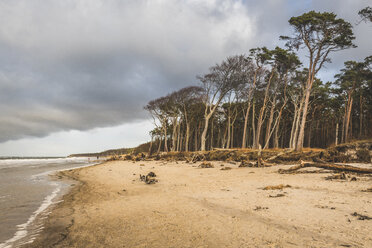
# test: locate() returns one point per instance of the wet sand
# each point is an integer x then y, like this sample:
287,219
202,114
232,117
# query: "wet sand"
26,191
193,207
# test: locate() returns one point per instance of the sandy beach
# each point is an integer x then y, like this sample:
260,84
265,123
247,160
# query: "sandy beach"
193,207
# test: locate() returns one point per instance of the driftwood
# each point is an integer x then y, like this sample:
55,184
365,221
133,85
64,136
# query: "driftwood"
196,157
274,187
328,166
278,155
341,176
150,178
367,190
361,217
206,165
259,163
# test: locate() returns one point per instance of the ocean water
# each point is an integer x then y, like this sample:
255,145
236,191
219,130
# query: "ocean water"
26,192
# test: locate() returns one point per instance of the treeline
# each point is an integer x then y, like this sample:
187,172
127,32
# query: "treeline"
269,99
111,152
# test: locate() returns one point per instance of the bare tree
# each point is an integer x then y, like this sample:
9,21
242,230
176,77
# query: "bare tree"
252,70
159,109
189,97
216,84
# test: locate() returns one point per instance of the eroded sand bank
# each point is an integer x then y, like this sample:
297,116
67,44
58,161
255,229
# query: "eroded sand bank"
193,207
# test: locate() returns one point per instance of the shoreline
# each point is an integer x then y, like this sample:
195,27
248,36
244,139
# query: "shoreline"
27,232
67,177
191,207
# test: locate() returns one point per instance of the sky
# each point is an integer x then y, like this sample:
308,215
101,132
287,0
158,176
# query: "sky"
75,74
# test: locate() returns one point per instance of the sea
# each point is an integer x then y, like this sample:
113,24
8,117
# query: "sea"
26,193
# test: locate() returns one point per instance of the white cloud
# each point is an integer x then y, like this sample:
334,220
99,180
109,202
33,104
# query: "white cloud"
68,142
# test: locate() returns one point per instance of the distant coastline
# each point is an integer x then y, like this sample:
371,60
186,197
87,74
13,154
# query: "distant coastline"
27,157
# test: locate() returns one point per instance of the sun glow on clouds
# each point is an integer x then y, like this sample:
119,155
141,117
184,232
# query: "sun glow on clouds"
68,142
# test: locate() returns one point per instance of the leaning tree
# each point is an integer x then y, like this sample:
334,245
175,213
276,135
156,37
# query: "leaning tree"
221,79
321,34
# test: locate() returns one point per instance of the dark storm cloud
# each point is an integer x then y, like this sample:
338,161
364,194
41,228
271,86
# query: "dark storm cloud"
81,64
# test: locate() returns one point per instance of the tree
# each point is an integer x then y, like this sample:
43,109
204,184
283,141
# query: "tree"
352,78
159,109
321,34
285,63
188,98
253,70
366,14
263,57
216,84
296,92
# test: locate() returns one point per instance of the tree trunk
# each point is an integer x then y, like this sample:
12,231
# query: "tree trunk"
187,137
212,129
343,126
336,141
271,132
196,138
268,126
253,126
244,142
178,136
152,137
223,141
262,111
259,127
174,134
310,128
297,127
283,134
301,135
232,135
309,133
361,116
165,136
293,127
159,146
219,137
348,119
204,133
276,136
228,132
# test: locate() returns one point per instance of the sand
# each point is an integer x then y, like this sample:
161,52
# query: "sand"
194,207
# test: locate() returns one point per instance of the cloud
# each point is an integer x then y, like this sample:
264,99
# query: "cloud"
64,143
83,64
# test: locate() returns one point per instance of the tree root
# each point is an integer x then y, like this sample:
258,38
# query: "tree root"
328,166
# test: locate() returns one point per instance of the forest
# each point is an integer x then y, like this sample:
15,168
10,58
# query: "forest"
269,98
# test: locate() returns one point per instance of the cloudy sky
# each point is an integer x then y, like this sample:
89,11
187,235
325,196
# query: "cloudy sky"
75,74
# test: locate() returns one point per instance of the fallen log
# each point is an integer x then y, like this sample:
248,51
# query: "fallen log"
327,166
257,164
278,155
